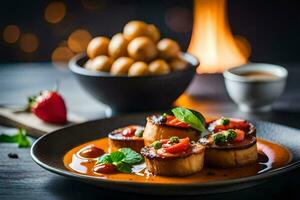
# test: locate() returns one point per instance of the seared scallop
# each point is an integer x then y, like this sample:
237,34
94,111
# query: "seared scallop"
174,157
126,137
231,144
157,129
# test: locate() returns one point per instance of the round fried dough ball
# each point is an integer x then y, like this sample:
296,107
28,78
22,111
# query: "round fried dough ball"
88,64
158,67
97,46
153,33
121,66
118,46
134,29
178,64
138,69
101,63
168,49
142,49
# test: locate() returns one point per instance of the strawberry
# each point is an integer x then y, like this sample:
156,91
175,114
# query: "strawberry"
50,107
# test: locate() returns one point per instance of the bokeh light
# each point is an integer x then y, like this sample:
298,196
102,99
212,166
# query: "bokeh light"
93,4
55,12
78,40
29,42
62,54
179,19
11,33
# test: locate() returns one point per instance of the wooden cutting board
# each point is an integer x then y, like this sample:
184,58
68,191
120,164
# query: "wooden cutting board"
34,126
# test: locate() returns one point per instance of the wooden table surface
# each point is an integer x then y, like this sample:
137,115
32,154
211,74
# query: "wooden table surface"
23,179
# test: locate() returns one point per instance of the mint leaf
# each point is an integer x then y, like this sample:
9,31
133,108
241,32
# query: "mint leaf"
196,121
20,138
131,157
105,159
124,167
117,156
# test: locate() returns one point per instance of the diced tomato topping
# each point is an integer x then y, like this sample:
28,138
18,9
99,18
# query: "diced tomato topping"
129,131
173,121
242,125
183,145
240,135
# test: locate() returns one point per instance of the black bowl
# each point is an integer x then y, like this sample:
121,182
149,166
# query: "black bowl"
128,94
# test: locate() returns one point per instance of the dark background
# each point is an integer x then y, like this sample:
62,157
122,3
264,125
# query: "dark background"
271,27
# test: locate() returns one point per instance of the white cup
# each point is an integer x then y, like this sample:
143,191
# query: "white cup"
253,94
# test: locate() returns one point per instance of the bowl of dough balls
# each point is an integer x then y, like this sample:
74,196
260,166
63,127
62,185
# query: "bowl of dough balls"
135,70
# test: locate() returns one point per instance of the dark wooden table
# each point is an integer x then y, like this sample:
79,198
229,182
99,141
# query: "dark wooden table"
22,179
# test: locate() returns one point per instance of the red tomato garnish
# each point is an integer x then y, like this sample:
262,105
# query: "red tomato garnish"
179,147
129,131
242,125
105,168
240,135
173,121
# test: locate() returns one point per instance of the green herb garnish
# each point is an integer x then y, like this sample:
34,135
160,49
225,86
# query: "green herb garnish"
174,139
230,135
156,145
193,118
224,121
139,132
219,138
20,138
122,159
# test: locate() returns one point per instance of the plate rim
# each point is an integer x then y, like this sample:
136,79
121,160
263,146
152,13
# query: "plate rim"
247,179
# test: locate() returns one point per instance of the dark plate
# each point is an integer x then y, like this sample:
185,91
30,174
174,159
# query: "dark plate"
48,152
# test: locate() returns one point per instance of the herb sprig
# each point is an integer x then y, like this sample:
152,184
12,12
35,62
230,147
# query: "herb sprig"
193,118
123,159
19,138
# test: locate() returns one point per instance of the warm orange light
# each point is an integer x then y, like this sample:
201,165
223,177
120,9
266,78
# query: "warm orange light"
62,54
212,41
93,4
29,42
11,33
55,12
79,40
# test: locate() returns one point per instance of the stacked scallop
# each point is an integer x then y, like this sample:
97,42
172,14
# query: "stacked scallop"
138,51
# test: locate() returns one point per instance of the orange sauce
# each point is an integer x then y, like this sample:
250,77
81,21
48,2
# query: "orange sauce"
271,156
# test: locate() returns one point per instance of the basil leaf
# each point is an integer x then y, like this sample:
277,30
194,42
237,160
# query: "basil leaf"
131,157
105,159
117,156
123,167
23,139
20,138
196,121
9,138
